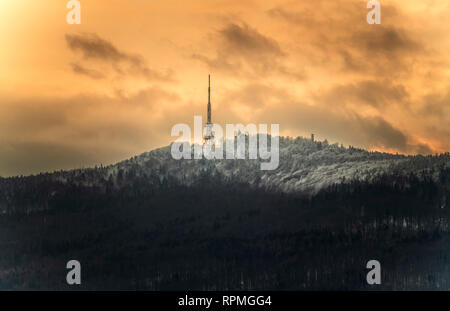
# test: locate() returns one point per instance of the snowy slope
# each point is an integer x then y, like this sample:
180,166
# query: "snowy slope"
304,166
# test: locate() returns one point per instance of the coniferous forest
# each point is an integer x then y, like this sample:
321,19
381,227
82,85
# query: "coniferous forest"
224,235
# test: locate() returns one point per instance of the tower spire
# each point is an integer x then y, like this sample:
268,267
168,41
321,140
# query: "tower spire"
209,134
209,99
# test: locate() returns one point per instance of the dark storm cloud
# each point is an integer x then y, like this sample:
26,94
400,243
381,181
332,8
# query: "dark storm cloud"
368,70
437,105
328,33
385,39
45,134
80,69
373,93
245,40
255,96
243,49
341,125
383,134
94,48
422,149
27,157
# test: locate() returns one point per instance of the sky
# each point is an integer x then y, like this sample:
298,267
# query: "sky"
75,96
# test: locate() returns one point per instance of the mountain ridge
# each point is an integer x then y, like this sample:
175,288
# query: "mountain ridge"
304,166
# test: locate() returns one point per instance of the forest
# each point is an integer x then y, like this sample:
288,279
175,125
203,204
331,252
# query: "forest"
218,234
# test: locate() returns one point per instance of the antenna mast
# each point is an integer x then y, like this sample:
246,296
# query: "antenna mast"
209,134
209,99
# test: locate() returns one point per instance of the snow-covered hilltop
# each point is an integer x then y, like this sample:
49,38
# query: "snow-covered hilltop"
304,166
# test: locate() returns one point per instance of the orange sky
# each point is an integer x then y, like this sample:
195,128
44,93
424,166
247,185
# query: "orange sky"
112,87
